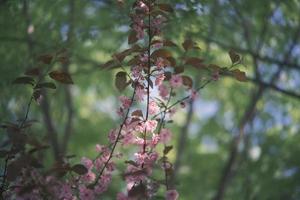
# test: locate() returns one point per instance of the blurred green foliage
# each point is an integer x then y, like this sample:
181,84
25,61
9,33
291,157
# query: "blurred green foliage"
268,161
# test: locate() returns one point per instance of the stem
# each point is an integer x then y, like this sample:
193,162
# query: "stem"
116,141
183,99
148,76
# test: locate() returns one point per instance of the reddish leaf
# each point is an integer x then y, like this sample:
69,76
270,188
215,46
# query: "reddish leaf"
178,70
195,62
235,58
169,43
61,76
132,38
161,53
33,72
138,113
46,58
172,61
138,192
14,169
121,81
239,75
165,7
187,81
188,44
167,149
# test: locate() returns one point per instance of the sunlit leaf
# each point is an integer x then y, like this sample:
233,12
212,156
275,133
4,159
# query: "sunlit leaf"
239,75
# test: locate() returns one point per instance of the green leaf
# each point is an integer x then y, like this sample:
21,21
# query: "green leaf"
33,72
62,77
120,82
79,169
24,80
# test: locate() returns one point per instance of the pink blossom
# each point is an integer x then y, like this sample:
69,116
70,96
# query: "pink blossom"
194,94
153,108
140,157
215,76
136,71
153,157
126,102
160,63
65,192
158,45
110,166
165,135
85,193
88,163
163,91
112,136
98,163
139,31
172,111
159,79
98,148
120,112
150,125
128,139
122,196
172,195
140,93
89,177
142,6
155,140
144,57
176,81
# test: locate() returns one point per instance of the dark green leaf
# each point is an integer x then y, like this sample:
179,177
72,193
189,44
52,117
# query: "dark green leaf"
121,81
80,169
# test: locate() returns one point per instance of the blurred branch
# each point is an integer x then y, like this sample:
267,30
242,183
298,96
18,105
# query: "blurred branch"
247,117
182,140
68,94
263,58
52,135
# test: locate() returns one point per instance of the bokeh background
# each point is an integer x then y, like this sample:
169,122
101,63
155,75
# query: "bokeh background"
236,141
